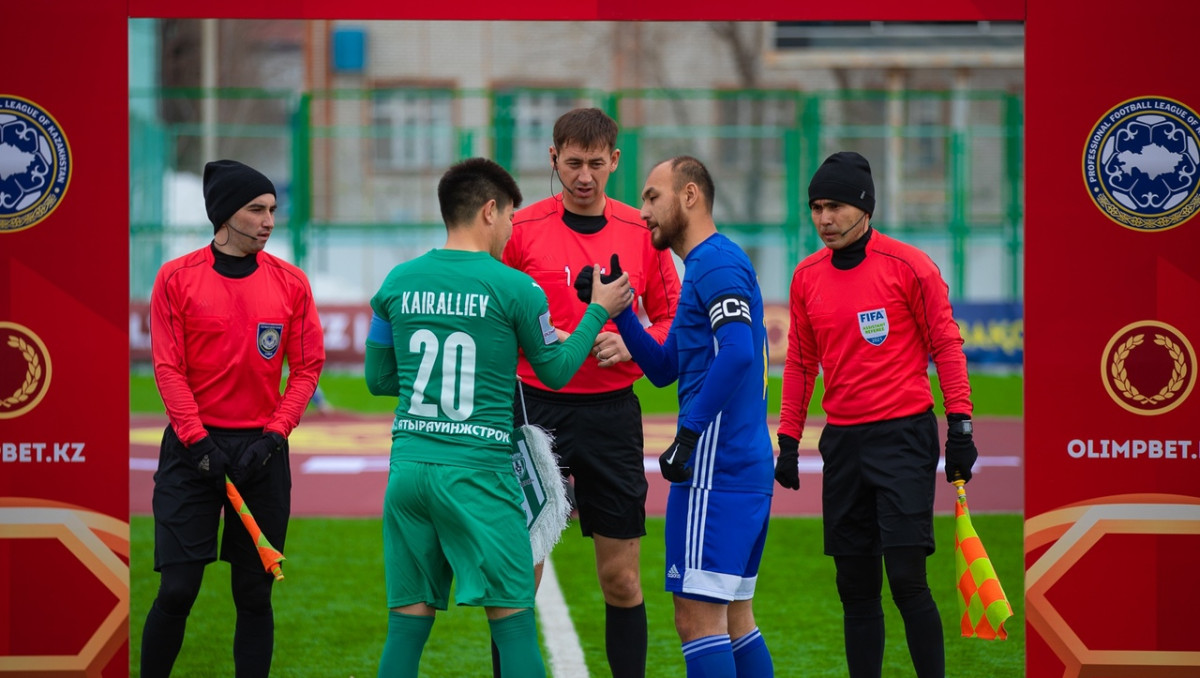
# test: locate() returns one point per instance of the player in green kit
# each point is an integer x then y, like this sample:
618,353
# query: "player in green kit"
444,338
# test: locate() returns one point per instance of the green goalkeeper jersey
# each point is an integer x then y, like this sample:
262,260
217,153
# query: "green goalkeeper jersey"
457,320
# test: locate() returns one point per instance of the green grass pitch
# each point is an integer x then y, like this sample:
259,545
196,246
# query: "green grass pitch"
331,617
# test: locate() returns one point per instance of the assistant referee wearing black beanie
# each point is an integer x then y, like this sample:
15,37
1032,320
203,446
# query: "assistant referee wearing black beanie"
228,186
845,177
873,311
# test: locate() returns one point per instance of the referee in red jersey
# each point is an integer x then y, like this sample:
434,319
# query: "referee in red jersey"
870,311
596,418
223,320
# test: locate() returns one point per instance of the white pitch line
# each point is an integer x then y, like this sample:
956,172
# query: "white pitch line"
566,654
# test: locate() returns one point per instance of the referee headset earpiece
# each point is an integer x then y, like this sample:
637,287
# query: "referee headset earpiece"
227,237
554,169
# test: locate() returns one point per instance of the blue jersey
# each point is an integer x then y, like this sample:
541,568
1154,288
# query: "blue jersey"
717,350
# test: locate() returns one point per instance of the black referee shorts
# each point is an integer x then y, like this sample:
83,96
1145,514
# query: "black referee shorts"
187,504
878,485
598,438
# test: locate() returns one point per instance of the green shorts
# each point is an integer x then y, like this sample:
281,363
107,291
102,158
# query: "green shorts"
442,522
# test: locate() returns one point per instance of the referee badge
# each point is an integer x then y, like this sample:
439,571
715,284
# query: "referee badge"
268,339
874,325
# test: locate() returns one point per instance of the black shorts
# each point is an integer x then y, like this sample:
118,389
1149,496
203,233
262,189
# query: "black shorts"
598,438
187,505
878,485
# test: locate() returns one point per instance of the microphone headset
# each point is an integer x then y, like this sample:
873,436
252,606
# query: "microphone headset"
853,226
554,170
244,235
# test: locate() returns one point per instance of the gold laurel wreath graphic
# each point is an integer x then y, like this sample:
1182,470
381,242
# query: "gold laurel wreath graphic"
1121,378
1118,213
33,375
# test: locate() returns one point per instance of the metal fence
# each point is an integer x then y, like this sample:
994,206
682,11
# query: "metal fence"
357,169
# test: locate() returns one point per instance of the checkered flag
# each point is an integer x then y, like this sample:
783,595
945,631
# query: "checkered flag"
981,601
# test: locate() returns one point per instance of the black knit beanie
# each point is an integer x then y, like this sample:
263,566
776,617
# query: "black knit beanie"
845,177
229,186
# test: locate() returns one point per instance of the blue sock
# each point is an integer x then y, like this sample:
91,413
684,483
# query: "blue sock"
751,656
709,657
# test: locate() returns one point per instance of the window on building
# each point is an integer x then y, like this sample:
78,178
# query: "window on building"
534,114
414,128
927,148
752,129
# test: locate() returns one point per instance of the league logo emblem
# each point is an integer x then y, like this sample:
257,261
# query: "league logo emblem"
268,339
24,370
1140,163
35,163
1148,367
873,325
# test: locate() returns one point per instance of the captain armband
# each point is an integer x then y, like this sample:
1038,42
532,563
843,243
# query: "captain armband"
729,308
381,331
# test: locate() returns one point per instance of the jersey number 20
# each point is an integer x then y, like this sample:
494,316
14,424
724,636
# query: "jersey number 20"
458,374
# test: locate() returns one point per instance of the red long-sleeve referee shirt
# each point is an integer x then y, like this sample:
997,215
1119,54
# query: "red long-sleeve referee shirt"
552,253
872,329
219,345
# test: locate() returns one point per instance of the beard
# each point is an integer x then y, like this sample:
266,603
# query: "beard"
669,230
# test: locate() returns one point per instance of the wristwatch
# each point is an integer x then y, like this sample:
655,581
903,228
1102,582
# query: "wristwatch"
962,427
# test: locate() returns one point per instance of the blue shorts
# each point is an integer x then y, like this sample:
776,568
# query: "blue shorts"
715,542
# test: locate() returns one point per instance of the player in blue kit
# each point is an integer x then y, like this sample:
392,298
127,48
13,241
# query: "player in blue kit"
721,463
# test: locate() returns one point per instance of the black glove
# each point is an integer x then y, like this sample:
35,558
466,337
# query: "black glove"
960,448
673,462
583,281
206,457
255,456
787,468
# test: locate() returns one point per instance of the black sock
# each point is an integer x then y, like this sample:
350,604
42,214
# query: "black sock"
253,644
625,640
162,636
864,643
923,630
859,581
922,623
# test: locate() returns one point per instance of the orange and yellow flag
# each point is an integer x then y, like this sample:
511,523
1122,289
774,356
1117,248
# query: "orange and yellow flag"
981,601
270,556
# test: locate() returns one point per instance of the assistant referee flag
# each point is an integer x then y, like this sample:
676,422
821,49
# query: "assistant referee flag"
981,601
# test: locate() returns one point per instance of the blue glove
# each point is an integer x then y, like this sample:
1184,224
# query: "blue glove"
960,448
583,281
673,462
207,458
787,468
255,456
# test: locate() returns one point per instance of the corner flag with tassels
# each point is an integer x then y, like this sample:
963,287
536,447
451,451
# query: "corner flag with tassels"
981,600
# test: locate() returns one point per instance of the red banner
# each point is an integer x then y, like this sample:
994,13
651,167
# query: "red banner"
64,434
1112,449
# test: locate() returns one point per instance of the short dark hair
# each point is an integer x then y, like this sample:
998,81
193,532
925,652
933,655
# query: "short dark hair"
687,169
587,127
470,184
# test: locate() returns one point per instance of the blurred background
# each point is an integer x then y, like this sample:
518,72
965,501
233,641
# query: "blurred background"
356,121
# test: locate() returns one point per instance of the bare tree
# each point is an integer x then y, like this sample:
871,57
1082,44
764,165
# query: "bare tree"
745,42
